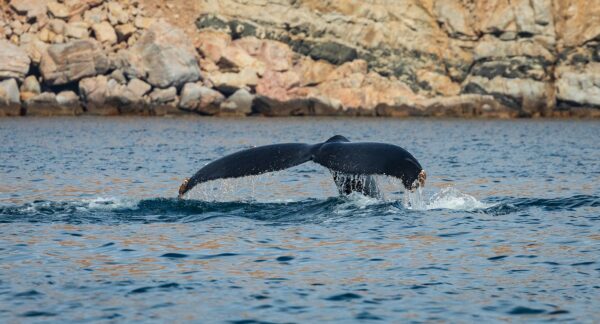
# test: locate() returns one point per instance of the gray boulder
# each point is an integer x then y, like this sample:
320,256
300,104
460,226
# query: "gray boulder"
198,98
64,63
164,102
163,56
161,96
118,76
94,93
138,87
31,84
124,98
10,102
239,104
14,61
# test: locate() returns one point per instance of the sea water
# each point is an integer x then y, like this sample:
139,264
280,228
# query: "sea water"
507,227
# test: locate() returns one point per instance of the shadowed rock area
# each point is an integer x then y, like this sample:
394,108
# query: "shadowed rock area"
456,58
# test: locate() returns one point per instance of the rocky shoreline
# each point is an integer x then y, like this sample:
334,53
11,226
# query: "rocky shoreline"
97,57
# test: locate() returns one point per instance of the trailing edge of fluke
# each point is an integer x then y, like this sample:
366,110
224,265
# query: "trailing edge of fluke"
352,164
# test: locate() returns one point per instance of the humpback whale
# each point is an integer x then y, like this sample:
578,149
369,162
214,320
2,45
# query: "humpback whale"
351,164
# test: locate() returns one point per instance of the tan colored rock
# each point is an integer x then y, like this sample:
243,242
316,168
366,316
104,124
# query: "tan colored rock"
14,61
30,8
198,98
356,67
276,85
35,49
72,61
454,18
78,30
164,102
234,59
119,76
579,86
15,39
465,106
529,96
576,22
116,14
439,83
238,104
313,72
212,44
10,103
163,57
94,16
31,84
229,82
275,55
144,22
94,93
17,27
126,100
358,91
125,31
57,26
104,33
58,10
162,96
138,87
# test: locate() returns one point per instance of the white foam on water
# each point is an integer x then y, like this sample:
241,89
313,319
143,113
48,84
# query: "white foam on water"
446,198
353,202
109,203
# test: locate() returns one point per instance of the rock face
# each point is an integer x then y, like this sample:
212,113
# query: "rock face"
14,61
163,57
530,56
493,58
65,63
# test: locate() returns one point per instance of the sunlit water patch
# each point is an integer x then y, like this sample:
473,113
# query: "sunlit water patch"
506,228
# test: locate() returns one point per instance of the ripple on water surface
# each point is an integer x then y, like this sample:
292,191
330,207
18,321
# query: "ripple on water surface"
506,229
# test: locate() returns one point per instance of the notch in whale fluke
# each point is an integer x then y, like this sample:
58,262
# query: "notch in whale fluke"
337,154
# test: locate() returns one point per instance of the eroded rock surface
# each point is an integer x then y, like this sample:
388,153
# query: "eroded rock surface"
493,58
163,57
64,63
14,61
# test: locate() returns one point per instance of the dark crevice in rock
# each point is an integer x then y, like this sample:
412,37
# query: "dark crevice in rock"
524,34
515,68
241,29
568,104
71,86
211,21
514,103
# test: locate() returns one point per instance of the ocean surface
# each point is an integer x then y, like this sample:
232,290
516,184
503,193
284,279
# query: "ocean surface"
506,229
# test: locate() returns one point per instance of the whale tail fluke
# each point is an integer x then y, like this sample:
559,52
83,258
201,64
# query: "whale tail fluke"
345,160
253,161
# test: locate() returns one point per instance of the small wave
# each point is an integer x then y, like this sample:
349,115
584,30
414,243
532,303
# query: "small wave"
124,210
507,205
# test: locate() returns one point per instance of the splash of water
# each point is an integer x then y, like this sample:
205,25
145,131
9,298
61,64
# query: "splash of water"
446,198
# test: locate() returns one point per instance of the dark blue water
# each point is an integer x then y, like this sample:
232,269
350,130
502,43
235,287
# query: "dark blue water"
507,228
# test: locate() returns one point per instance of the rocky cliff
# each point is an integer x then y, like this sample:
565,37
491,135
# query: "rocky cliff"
496,58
